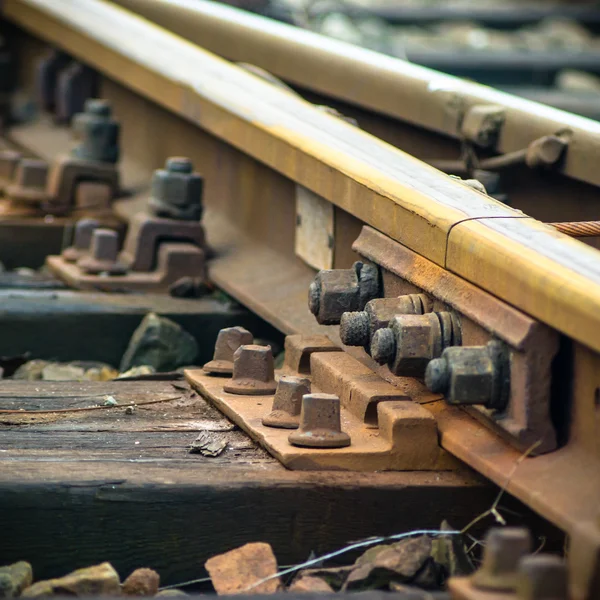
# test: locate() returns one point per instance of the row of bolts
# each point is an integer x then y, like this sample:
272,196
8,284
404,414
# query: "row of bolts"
315,417
508,563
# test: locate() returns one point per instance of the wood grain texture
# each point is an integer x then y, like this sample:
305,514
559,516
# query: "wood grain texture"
67,325
77,489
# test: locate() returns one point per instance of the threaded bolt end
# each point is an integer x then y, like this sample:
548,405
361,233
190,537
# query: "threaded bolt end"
383,346
437,375
354,328
179,164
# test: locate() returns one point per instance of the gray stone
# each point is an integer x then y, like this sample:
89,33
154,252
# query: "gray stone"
137,371
99,580
14,579
31,370
160,343
381,565
35,370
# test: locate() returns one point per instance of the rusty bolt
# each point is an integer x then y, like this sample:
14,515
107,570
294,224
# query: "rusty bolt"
472,375
253,371
84,228
411,341
9,160
176,191
542,577
320,423
98,132
336,291
287,404
31,173
357,328
29,183
228,341
504,547
103,254
47,71
75,84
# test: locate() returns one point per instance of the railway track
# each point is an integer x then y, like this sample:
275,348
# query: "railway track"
436,306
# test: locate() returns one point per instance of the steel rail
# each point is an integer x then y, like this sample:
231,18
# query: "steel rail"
526,263
377,184
380,83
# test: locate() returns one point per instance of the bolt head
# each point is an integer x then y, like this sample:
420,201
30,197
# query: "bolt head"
31,173
418,340
97,107
504,548
542,577
228,341
253,371
179,164
320,423
177,187
471,379
287,403
338,293
98,132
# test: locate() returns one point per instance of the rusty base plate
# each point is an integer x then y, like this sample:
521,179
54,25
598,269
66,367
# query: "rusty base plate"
174,260
394,445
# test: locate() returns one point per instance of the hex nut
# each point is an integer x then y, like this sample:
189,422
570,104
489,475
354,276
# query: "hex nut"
97,131
357,328
504,548
336,291
472,375
176,191
411,341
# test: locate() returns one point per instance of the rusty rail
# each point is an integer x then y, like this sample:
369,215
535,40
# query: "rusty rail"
265,152
376,82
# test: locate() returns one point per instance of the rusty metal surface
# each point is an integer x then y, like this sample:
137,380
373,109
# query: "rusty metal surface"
481,317
561,259
253,372
173,260
406,438
380,83
146,233
485,315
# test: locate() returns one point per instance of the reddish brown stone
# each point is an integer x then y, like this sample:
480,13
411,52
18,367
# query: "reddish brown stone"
142,582
237,570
